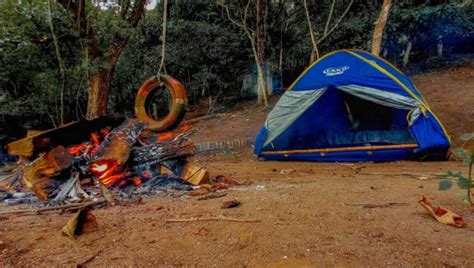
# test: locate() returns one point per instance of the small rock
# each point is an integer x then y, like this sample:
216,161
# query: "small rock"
230,204
260,187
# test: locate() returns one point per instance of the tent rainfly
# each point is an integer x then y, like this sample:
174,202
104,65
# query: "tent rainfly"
352,106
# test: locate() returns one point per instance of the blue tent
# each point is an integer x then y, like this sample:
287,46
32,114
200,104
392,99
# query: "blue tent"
352,106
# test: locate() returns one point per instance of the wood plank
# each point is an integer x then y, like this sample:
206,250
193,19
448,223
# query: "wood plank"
72,133
194,174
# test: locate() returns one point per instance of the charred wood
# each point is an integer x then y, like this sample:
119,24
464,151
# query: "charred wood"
69,134
118,145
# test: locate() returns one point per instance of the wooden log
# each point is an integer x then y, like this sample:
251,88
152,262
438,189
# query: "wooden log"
37,176
68,134
118,144
72,206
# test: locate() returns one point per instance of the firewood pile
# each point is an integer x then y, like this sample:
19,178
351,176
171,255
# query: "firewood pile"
109,157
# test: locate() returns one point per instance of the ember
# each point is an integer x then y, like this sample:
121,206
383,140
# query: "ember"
89,148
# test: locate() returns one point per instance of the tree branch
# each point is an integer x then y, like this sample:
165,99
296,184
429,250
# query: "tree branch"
311,33
77,12
337,23
119,41
125,5
326,28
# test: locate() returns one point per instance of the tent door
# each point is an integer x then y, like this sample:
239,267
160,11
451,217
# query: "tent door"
366,115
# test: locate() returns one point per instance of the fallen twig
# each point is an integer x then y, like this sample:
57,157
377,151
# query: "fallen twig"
205,117
416,175
220,218
212,196
370,205
93,256
68,206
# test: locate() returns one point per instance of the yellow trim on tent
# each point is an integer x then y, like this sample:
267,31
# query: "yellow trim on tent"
382,70
394,67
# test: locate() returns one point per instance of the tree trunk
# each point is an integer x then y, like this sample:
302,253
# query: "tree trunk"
406,55
314,51
260,55
262,85
380,26
440,47
98,93
99,82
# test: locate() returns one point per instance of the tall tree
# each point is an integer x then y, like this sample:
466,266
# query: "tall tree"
327,30
380,26
260,51
102,62
257,43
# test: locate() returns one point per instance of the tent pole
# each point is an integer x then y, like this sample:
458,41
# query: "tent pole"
345,149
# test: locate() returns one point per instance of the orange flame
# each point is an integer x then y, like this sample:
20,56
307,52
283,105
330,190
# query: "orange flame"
105,132
165,136
95,138
171,135
135,181
185,127
77,149
107,171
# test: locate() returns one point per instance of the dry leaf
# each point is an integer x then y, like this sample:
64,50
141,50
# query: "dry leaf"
442,215
82,222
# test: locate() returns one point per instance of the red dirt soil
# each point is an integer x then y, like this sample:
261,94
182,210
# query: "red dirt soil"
311,214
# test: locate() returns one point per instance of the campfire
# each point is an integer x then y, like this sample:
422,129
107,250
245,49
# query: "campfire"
112,157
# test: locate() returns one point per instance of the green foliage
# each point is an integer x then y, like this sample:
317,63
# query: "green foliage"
464,181
427,24
445,185
29,77
204,50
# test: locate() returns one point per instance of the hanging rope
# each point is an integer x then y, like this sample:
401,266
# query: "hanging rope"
163,38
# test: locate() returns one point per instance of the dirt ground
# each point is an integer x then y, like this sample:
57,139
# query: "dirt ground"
310,214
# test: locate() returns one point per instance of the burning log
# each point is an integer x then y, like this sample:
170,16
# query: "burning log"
114,152
118,144
69,134
36,176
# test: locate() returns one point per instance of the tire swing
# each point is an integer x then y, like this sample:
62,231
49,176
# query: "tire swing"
178,103
178,93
